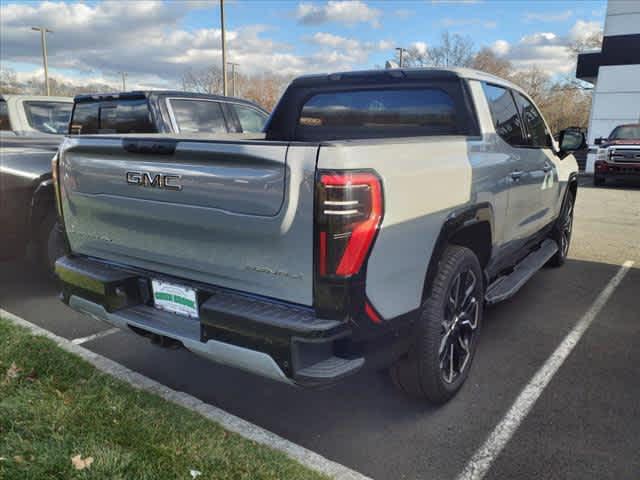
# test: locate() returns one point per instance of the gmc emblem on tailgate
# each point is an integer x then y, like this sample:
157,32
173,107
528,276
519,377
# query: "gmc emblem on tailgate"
154,180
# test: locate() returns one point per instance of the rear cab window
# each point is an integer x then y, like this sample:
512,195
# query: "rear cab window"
112,116
193,116
48,117
380,112
5,124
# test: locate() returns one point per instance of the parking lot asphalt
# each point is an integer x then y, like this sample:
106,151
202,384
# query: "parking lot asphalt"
584,425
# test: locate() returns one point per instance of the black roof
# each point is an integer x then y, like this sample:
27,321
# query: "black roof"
89,97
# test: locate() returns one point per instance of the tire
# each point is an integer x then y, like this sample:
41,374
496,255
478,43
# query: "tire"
598,181
427,371
50,244
562,231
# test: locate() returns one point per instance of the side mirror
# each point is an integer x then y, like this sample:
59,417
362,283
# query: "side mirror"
599,141
571,140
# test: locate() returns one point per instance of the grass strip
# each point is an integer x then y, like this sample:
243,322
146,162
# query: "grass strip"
55,407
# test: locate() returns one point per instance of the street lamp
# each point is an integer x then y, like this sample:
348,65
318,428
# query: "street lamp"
224,50
124,83
233,77
401,51
43,31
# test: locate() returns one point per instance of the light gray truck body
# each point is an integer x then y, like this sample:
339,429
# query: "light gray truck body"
239,215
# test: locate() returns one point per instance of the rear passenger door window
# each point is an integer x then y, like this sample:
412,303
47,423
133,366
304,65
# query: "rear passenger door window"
251,120
504,114
537,134
193,116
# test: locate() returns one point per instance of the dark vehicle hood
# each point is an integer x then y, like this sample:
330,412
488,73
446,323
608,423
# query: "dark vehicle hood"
623,141
28,157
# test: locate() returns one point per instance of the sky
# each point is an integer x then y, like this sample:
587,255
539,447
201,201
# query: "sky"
155,42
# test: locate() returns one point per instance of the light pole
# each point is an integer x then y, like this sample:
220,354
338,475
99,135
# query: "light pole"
224,50
124,80
233,78
401,51
43,39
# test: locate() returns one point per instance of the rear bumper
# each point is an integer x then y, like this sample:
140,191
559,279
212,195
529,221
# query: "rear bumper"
280,341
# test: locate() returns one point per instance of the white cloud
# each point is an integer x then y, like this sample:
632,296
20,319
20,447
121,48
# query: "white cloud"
146,39
335,41
583,30
546,50
348,12
548,17
467,22
420,47
500,47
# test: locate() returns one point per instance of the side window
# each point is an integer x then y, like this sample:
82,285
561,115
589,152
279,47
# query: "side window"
251,120
198,116
85,118
536,129
126,116
4,116
504,114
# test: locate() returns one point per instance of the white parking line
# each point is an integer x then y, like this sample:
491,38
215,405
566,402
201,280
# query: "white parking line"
232,423
481,461
104,333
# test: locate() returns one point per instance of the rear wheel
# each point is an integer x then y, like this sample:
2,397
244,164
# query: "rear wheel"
562,232
445,335
598,181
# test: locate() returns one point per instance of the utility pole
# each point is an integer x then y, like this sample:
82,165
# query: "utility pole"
233,78
224,50
401,51
124,80
43,39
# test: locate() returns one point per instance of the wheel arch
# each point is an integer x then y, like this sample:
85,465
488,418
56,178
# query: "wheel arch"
471,227
42,202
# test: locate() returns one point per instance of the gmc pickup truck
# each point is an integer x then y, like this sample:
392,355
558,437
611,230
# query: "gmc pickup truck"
372,222
618,156
26,194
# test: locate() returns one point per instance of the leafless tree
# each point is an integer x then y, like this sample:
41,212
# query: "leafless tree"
203,80
487,61
453,51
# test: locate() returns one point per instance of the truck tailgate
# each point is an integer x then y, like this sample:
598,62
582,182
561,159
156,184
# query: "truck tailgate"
237,214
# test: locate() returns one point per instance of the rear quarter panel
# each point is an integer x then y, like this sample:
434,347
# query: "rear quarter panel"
424,180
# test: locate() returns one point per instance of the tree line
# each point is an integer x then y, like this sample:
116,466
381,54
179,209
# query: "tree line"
564,101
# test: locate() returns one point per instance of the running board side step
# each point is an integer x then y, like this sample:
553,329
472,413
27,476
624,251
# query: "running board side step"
505,287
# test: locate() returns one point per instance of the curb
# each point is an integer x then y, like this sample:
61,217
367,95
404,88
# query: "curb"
230,422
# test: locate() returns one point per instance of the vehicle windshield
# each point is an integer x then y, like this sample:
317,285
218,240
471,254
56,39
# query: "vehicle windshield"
625,132
48,117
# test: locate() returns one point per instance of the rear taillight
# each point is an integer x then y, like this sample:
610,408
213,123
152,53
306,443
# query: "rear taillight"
56,184
349,210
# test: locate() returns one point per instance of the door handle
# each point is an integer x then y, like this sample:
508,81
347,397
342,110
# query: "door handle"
516,174
547,167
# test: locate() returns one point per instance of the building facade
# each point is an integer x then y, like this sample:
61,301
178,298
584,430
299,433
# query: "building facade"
614,72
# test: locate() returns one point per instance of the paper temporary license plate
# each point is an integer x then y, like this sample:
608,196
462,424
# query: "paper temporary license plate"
175,298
